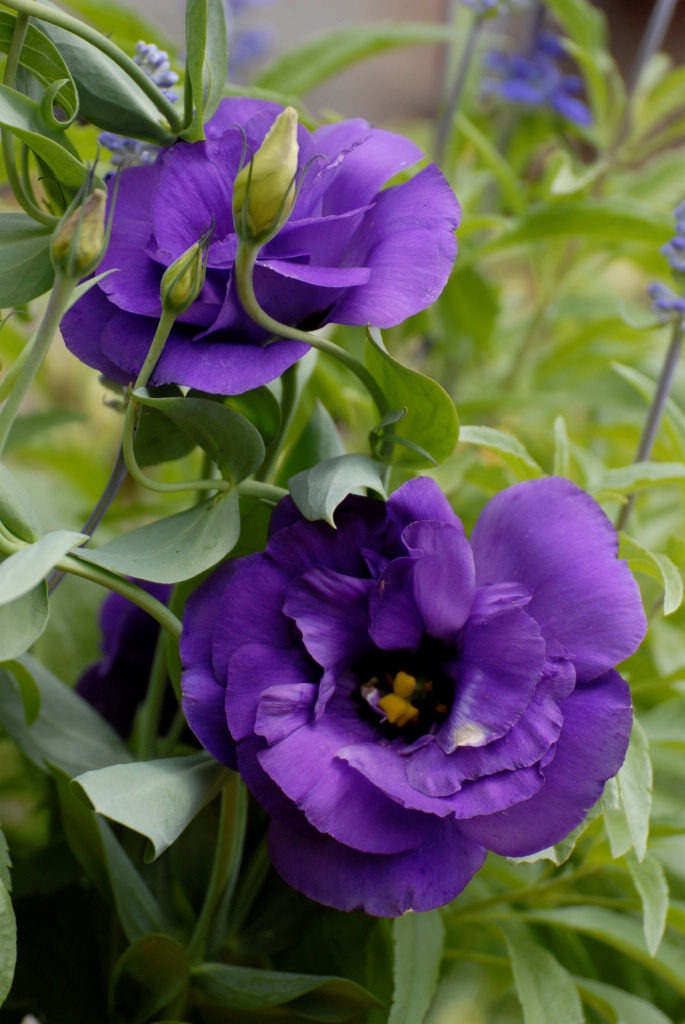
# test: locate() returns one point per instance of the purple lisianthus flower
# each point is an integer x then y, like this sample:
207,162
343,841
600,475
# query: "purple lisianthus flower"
116,685
351,252
401,701
537,79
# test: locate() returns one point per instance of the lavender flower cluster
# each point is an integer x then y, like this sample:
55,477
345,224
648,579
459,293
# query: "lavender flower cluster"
665,302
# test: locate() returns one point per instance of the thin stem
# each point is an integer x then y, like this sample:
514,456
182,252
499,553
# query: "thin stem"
168,742
528,893
56,17
57,306
245,260
250,885
166,322
652,40
24,199
288,403
257,489
88,571
148,720
229,850
453,99
656,412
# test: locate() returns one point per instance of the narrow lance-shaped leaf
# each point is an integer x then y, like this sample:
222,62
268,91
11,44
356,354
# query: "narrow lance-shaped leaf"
650,881
545,989
206,58
418,941
635,787
509,449
658,566
8,943
148,976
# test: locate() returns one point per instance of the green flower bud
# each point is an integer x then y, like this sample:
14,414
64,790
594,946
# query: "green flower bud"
80,240
264,190
183,279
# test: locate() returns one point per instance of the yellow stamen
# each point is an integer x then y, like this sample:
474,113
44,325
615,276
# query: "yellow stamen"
404,684
398,710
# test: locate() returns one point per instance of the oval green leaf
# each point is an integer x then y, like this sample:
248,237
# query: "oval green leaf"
25,569
26,270
317,492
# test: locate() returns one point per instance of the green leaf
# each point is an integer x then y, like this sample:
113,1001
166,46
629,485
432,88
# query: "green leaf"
24,570
418,941
147,977
318,441
638,477
28,687
245,988
22,117
621,932
261,408
674,418
494,162
158,440
8,943
16,509
67,732
175,548
624,1007
159,798
582,22
508,447
23,621
546,991
108,98
317,492
44,61
26,270
206,58
5,863
329,53
431,420
659,567
635,786
562,448
561,852
230,439
33,425
650,881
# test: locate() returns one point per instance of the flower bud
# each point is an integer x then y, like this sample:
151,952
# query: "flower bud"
183,279
264,190
80,241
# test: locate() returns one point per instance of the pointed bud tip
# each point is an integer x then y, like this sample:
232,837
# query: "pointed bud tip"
264,190
79,242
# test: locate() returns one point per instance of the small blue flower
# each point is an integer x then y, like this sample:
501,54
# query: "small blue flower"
536,79
665,303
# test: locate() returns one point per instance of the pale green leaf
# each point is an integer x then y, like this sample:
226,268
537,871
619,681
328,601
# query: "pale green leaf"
650,881
508,447
24,570
635,787
623,1007
317,492
658,566
8,943
418,941
545,989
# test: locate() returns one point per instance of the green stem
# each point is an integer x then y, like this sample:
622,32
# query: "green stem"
88,571
148,720
56,308
529,892
13,177
656,412
257,489
166,322
250,885
453,99
169,741
56,17
245,260
288,404
229,851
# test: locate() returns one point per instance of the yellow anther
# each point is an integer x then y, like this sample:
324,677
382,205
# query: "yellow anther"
404,684
398,710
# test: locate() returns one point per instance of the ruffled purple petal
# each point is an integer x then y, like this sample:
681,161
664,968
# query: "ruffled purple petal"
252,671
417,500
591,749
203,692
82,328
383,886
554,539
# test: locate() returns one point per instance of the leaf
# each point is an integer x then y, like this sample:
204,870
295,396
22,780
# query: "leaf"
22,622
508,447
5,863
158,440
659,567
638,477
650,881
326,54
159,798
246,988
16,509
44,61
147,977
674,419
206,59
317,492
8,943
176,548
108,98
230,439
26,429
261,408
22,117
24,570
561,852
562,448
318,441
621,932
546,991
418,941
494,162
431,420
626,1007
67,732
26,269
28,687
582,22
635,786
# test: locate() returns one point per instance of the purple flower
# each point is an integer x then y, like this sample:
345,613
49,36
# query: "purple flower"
349,253
402,701
116,685
536,79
